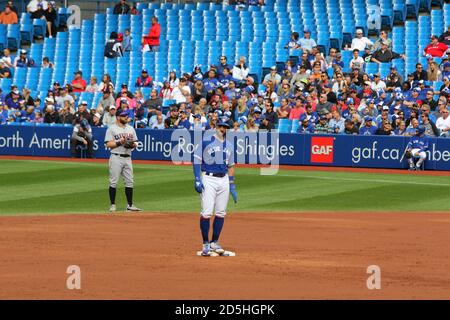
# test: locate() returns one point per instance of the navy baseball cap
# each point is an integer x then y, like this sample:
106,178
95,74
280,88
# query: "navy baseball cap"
368,118
420,130
144,71
198,116
123,114
323,117
223,124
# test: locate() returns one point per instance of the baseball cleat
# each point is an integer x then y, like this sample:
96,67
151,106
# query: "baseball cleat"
216,248
112,209
133,209
206,251
412,168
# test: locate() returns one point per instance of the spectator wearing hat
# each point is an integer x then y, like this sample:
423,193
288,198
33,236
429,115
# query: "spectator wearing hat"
8,16
51,116
50,17
445,70
210,82
307,43
412,101
240,71
356,62
64,96
445,37
383,116
368,128
323,127
78,83
378,84
122,7
305,126
81,135
5,72
384,54
350,127
37,8
144,80
109,117
393,80
273,76
151,41
106,100
82,111
443,122
197,74
435,48
22,61
113,46
10,4
360,42
385,129
124,92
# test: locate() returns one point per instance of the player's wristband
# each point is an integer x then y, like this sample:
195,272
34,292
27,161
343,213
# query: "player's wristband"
118,144
231,179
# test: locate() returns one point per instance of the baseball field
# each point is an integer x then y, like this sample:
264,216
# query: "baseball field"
302,233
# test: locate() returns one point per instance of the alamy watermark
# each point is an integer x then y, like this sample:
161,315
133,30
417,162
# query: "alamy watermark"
374,280
73,281
262,148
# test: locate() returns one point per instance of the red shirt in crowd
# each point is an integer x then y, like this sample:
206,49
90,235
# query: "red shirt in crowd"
81,82
437,50
152,39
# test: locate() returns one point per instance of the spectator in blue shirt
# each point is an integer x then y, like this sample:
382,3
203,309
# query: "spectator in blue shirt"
211,82
306,43
225,78
305,126
367,129
13,102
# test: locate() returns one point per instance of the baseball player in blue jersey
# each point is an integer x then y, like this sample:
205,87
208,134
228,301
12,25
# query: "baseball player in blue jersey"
214,180
416,148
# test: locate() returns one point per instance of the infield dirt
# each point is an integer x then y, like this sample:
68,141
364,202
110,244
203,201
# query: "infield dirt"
279,256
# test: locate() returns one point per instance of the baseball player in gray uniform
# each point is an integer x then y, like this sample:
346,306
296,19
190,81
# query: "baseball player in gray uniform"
121,138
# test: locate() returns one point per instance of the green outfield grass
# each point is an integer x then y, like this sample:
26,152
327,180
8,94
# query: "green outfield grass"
50,187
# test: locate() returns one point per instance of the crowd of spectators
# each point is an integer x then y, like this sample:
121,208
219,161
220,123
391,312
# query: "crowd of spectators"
318,91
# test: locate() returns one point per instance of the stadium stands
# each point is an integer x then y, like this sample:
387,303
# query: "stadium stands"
199,33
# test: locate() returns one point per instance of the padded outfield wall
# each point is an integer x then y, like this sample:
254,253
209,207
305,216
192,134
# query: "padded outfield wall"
284,148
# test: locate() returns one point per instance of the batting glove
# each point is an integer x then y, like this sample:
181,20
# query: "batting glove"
199,186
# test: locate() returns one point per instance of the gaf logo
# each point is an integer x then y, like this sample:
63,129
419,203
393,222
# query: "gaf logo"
322,149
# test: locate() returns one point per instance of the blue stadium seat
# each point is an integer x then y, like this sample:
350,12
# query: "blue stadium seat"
13,36
39,27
